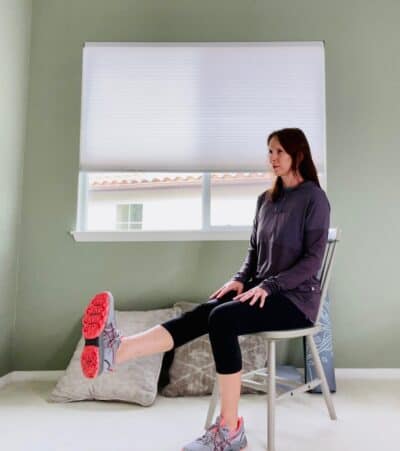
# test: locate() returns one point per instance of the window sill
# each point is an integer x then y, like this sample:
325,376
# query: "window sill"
173,235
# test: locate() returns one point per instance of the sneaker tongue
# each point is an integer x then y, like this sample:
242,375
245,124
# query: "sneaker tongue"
217,424
225,426
231,432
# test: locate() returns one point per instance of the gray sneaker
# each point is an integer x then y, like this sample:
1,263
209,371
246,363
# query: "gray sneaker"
218,438
102,338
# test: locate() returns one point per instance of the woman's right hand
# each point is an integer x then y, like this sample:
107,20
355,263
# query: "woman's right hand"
231,285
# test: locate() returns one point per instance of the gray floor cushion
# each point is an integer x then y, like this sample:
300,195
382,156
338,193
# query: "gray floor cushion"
134,381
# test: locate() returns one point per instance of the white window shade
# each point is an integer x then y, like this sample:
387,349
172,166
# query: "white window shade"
197,106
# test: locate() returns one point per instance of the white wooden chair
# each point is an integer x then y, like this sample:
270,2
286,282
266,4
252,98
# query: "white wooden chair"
264,379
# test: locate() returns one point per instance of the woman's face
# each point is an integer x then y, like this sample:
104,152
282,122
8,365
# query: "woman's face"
279,159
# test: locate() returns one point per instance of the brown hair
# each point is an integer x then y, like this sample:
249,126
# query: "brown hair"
295,143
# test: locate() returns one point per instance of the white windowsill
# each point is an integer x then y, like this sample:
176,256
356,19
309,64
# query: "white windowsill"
173,235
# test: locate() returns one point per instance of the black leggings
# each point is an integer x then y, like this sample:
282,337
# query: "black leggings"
225,319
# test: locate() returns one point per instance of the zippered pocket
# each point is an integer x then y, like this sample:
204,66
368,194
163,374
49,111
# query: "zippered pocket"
309,288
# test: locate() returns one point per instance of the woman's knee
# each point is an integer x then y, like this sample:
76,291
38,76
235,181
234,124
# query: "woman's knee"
223,315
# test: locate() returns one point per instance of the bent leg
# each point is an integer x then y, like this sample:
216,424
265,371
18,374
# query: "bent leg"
193,324
234,318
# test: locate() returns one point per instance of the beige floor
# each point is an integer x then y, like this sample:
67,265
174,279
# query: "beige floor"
367,406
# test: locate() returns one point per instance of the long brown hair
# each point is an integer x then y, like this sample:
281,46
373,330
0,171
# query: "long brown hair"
295,143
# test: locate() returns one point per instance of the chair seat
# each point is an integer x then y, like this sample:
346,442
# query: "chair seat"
290,333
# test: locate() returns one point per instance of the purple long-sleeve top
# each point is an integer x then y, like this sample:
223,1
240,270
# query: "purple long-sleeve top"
287,245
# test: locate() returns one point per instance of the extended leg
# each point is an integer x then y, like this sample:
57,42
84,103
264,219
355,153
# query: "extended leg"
105,347
170,334
151,341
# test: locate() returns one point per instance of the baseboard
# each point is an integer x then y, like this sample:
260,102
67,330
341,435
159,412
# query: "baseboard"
364,373
342,373
6,379
367,373
22,376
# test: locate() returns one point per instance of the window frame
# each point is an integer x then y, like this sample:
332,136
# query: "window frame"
207,232
129,223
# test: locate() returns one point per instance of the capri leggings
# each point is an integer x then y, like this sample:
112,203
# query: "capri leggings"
224,319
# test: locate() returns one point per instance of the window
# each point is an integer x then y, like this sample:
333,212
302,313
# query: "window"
129,216
180,129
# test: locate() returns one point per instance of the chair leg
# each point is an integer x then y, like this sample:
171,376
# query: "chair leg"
213,404
324,384
305,359
271,396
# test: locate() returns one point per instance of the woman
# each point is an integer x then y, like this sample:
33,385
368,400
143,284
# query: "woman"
276,288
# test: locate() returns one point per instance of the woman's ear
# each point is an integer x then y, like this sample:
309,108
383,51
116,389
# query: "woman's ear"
300,158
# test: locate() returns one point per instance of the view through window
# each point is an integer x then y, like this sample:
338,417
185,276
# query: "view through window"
172,201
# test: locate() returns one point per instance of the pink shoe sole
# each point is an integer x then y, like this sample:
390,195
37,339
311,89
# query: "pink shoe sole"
93,322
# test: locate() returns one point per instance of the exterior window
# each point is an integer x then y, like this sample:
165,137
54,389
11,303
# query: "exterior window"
129,216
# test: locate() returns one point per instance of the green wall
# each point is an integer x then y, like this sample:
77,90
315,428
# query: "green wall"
15,18
58,275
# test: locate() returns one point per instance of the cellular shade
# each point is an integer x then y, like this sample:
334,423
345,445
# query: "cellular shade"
197,106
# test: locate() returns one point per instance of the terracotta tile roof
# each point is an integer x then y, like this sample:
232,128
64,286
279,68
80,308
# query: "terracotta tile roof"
142,181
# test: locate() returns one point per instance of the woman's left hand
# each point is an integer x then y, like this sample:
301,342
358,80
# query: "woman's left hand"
256,293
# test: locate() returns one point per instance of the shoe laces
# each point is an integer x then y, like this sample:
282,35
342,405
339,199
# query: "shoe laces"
220,444
215,436
112,335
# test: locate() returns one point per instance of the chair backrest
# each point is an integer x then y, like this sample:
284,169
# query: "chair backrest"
324,274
